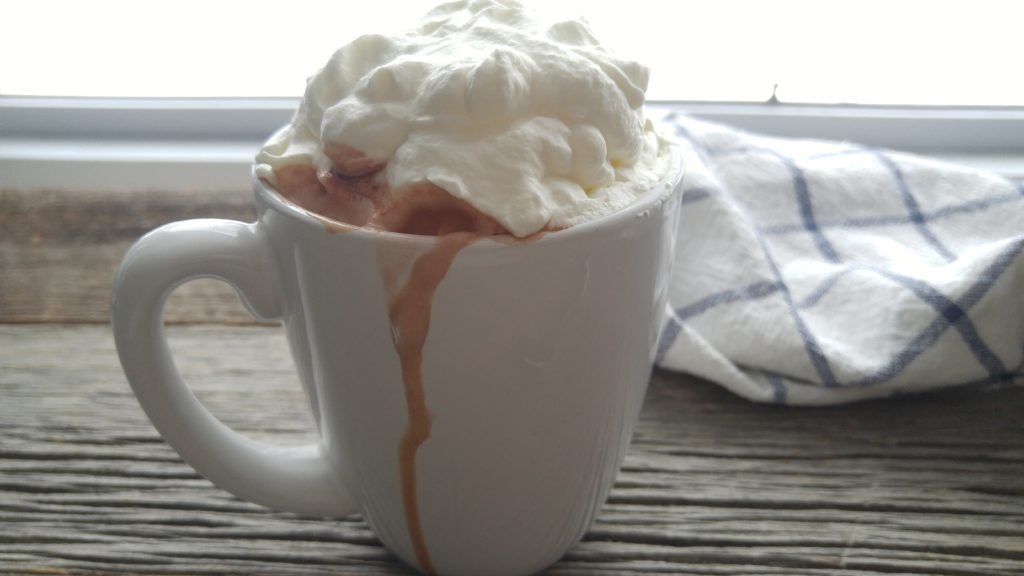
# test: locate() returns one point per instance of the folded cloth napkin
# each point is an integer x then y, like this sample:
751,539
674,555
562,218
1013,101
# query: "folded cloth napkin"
814,272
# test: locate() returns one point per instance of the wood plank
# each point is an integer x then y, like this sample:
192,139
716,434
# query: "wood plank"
59,251
712,484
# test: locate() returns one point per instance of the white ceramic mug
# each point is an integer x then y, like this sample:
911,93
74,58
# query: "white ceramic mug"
491,455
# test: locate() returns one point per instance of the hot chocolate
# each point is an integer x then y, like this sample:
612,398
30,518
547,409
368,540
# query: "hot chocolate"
484,121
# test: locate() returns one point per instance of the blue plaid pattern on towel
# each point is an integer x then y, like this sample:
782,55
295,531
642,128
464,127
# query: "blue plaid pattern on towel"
813,272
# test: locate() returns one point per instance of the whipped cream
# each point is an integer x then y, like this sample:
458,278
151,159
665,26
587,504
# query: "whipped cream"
531,122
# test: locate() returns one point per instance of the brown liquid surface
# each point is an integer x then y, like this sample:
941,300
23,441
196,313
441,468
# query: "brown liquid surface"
410,323
365,200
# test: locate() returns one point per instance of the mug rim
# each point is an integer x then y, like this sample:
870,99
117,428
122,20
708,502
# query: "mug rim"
658,194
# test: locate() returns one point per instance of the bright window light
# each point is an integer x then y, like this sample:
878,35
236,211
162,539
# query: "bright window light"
865,52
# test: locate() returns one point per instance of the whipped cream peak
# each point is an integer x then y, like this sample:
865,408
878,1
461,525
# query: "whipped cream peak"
531,122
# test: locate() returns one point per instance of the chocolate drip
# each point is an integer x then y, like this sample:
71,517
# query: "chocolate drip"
410,322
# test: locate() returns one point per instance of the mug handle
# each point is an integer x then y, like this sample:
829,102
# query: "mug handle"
291,479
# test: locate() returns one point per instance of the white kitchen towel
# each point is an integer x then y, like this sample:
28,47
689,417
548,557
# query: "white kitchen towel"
814,272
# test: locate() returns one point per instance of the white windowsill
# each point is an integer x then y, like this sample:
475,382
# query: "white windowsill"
209,144
124,165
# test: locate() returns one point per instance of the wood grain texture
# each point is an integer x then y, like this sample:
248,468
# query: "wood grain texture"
712,484
59,251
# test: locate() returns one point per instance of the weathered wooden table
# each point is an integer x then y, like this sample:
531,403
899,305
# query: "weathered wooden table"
711,485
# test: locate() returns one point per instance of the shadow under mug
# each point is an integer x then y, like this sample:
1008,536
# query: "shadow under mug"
489,450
